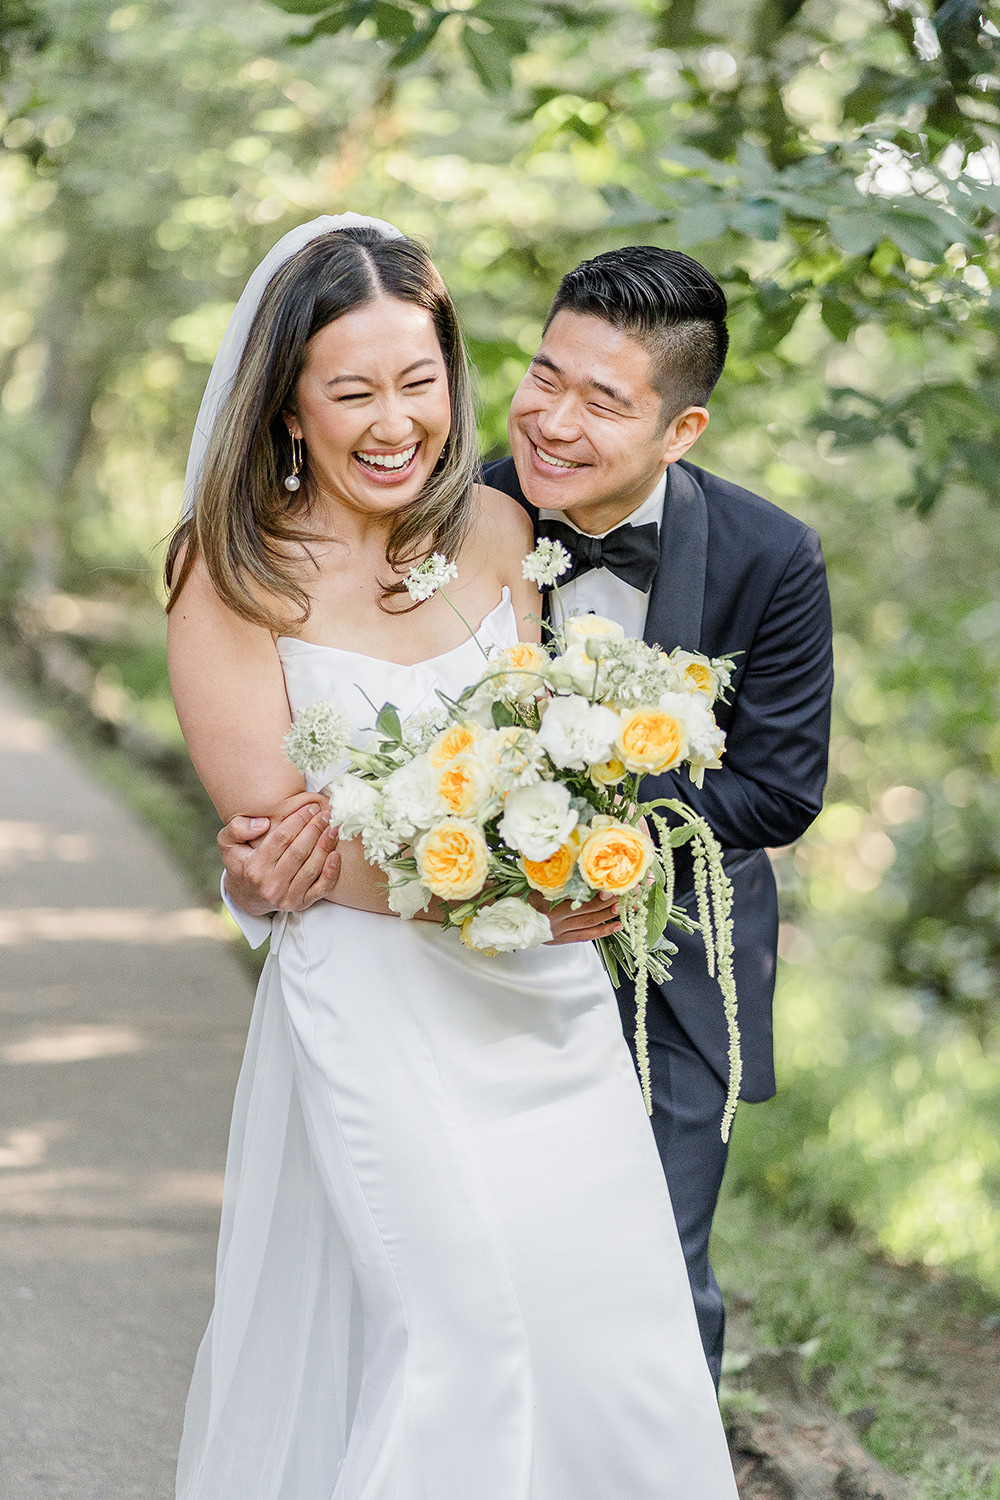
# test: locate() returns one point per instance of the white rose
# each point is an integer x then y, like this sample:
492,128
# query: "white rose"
353,804
407,897
410,798
537,820
507,925
576,733
578,629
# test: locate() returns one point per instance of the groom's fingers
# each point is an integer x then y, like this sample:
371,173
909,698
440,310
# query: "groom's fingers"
291,867
594,919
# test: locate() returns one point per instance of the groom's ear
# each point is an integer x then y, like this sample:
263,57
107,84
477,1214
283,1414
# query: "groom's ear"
683,432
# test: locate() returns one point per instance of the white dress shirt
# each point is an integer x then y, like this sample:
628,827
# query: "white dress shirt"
600,591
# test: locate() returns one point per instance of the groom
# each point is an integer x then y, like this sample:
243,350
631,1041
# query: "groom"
599,428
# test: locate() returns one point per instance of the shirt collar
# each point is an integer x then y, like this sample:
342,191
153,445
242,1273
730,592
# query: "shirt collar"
651,509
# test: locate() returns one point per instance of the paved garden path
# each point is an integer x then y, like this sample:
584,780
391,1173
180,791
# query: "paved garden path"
122,1016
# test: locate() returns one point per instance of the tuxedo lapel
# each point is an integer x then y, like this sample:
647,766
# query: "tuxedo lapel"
678,593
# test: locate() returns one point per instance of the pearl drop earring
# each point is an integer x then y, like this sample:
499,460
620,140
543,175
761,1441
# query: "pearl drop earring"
292,480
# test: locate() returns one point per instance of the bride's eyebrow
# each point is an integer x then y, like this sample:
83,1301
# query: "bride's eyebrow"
366,379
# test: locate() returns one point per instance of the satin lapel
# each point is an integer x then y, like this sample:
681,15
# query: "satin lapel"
677,597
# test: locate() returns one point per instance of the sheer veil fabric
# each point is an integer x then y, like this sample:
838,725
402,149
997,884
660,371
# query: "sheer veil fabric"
448,1267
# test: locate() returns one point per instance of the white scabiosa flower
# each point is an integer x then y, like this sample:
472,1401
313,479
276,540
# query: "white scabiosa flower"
514,756
424,579
318,738
576,734
506,926
537,820
546,565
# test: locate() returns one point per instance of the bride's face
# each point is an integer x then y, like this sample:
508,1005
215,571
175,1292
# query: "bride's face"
372,406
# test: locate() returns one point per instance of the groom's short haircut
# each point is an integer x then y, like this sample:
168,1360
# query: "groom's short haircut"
668,303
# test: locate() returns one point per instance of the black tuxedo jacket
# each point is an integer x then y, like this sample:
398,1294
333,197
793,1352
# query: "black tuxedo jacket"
737,574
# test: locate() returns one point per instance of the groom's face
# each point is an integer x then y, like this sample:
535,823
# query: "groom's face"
586,425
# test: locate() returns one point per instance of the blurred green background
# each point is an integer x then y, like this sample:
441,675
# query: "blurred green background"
837,166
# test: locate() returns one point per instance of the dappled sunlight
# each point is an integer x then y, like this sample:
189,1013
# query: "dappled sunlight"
95,1193
28,1146
20,842
20,735
108,924
71,1044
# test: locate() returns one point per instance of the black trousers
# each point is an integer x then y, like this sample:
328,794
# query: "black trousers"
688,1101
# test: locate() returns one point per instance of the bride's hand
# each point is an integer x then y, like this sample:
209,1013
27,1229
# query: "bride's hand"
597,918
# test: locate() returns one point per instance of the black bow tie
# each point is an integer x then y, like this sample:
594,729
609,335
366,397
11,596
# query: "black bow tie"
632,552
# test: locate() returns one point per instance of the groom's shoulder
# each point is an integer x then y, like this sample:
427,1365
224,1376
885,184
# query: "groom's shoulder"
738,515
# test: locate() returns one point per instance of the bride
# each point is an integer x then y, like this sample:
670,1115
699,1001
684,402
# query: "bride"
448,1268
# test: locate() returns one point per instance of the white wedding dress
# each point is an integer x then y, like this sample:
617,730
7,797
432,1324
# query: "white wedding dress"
448,1267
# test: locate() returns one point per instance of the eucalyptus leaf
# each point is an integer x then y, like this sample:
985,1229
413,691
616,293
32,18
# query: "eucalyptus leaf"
388,723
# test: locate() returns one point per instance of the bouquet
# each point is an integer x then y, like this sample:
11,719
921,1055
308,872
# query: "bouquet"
526,790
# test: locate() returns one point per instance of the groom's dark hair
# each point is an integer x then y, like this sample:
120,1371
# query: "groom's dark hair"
668,303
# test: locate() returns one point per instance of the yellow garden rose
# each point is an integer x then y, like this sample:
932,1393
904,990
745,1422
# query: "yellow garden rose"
550,875
651,740
699,676
454,740
608,773
463,784
452,859
518,670
615,856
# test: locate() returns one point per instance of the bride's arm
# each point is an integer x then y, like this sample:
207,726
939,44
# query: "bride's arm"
231,704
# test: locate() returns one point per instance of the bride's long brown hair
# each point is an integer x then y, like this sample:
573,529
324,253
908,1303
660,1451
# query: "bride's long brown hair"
244,520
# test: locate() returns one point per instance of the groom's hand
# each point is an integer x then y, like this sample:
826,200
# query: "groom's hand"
593,919
280,864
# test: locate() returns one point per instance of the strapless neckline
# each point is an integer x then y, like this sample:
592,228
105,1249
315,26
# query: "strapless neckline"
286,642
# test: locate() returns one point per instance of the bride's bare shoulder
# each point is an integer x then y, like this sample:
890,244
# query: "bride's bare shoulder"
502,521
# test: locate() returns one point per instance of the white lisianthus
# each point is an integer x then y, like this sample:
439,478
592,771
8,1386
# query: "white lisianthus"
537,820
577,734
706,741
407,897
411,799
506,926
546,564
317,740
424,579
354,804
579,629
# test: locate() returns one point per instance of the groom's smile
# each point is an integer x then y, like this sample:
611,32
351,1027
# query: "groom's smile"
586,424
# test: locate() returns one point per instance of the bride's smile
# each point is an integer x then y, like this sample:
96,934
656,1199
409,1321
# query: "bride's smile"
372,406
